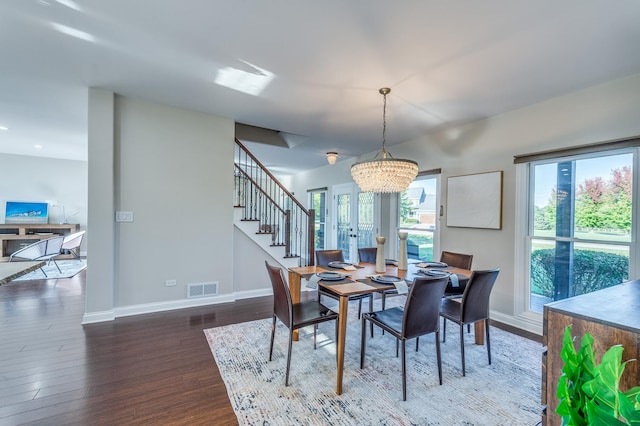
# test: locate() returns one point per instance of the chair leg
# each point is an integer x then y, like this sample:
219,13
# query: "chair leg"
438,356
286,380
359,308
486,327
417,343
371,310
444,330
363,342
273,334
56,263
462,347
404,371
397,341
315,331
384,300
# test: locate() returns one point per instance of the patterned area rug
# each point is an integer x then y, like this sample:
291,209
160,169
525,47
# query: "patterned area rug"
507,392
68,269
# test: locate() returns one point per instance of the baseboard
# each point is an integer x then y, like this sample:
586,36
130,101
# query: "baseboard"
149,308
522,323
101,316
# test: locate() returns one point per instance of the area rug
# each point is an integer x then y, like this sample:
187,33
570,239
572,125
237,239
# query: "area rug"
507,392
68,269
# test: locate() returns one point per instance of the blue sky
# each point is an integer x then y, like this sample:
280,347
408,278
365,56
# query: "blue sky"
585,169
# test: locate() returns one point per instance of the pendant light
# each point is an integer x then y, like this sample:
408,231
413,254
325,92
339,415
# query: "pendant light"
384,173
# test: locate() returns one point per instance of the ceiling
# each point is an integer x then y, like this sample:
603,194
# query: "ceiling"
310,70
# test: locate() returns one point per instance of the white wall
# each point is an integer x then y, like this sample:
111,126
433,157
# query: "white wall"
39,179
604,112
173,169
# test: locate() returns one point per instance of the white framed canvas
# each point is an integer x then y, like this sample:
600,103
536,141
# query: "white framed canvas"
475,201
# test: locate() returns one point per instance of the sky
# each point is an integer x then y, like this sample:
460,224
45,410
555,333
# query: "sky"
585,169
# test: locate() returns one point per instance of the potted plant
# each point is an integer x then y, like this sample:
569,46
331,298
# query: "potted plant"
589,393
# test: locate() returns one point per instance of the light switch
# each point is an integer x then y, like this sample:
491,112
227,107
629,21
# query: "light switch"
124,216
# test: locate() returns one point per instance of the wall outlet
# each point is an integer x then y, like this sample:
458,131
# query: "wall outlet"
170,283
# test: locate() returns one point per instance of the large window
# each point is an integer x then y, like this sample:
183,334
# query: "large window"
580,228
418,214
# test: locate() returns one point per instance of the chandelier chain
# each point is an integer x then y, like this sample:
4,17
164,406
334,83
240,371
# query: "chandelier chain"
384,122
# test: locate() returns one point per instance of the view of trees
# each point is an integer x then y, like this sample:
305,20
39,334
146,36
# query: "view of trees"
598,205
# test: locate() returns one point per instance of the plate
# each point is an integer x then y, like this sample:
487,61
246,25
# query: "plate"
386,279
435,273
331,276
339,265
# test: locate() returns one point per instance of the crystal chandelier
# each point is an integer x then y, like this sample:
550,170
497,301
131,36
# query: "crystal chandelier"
384,173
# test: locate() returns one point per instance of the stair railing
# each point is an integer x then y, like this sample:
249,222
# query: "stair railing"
265,200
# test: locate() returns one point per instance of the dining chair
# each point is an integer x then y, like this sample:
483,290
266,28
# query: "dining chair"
471,308
420,316
323,258
457,260
294,315
367,254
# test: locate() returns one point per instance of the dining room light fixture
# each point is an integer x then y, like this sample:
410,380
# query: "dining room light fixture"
332,157
384,173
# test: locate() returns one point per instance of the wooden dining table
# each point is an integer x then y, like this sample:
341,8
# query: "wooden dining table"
359,282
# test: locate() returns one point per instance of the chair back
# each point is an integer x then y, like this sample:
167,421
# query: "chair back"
73,241
457,260
53,246
475,299
422,308
367,254
323,257
282,304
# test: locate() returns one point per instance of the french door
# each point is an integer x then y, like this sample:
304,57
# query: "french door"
356,219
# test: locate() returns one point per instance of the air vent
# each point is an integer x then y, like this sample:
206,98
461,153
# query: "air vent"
202,290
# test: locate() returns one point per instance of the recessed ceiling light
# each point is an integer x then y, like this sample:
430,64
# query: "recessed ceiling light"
37,146
4,128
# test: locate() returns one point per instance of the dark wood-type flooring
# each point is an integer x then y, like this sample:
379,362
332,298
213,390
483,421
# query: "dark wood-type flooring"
154,369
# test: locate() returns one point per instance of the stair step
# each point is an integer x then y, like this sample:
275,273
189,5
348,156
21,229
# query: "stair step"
250,220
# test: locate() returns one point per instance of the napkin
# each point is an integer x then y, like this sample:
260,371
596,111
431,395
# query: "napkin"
401,286
432,265
349,268
312,281
455,283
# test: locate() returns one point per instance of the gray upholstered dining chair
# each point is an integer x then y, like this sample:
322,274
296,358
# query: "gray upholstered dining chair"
419,316
323,258
294,315
473,307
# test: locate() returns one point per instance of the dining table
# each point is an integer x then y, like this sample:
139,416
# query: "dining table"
11,270
359,281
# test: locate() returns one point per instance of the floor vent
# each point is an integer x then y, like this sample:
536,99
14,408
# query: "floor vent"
202,289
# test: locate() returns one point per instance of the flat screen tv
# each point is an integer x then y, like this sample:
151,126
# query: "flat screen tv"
26,212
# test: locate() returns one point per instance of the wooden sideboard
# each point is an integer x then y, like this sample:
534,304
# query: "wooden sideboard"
611,315
14,236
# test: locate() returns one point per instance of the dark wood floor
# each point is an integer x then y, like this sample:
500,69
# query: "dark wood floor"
153,369
148,369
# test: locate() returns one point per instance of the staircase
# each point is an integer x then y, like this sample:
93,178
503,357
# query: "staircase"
269,214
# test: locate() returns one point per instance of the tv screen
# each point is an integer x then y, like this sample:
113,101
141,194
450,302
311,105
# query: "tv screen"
25,212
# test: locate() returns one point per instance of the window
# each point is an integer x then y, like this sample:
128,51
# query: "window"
579,234
317,202
418,214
